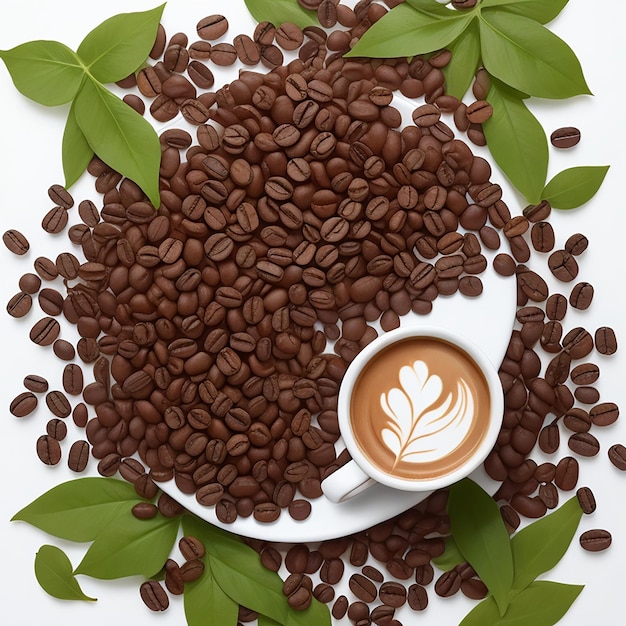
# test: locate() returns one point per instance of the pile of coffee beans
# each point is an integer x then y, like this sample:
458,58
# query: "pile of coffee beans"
300,215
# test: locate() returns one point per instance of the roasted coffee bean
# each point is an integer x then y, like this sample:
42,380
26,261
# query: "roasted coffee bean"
584,444
576,244
145,510
563,265
154,596
73,379
585,374
556,307
595,540
299,509
15,242
55,220
581,296
363,588
57,429
35,383
58,404
565,137
586,499
604,414
45,331
566,473
23,404
605,340
48,450
542,237
340,607
392,594
19,305
617,456
212,27
78,456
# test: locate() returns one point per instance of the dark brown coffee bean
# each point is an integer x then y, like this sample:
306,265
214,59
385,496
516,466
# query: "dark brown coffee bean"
595,540
19,305
144,510
576,244
48,450
299,509
604,414
35,383
212,27
566,473
563,265
78,456
565,137
617,456
586,499
15,242
556,307
73,379
581,296
577,420
392,594
584,444
58,404
45,331
363,588
55,220
549,438
332,571
578,343
587,395
23,404
585,374
542,237
57,429
605,340
266,512
504,264
154,596
537,212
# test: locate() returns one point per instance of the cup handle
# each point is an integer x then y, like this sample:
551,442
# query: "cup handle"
346,482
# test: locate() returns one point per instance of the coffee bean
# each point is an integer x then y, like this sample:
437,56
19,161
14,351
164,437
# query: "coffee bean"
556,307
586,499
617,456
565,137
212,27
56,429
566,473
78,456
605,340
154,596
584,444
55,220
363,588
48,450
581,296
595,540
58,404
563,265
576,244
340,607
15,242
19,305
604,414
23,404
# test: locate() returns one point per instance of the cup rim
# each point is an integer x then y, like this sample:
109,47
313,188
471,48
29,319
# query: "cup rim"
484,363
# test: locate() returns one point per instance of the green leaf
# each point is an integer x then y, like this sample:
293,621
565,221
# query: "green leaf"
524,54
53,571
79,509
451,556
432,7
47,72
264,620
517,141
206,604
573,187
76,151
543,11
129,546
485,613
121,137
543,603
460,71
478,529
541,545
405,31
118,46
239,572
280,11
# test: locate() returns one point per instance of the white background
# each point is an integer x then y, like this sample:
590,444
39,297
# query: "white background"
30,162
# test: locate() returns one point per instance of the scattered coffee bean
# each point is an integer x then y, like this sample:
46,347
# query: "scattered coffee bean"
48,450
154,596
586,499
605,340
595,540
565,137
23,404
15,242
78,457
20,304
617,456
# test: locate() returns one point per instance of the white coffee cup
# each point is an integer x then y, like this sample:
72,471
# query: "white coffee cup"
421,426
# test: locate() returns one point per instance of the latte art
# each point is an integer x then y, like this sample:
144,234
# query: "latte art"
420,408
424,425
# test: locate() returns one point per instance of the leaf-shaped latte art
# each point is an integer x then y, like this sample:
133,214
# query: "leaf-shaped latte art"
423,425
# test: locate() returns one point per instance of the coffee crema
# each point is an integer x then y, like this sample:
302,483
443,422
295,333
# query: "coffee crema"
420,408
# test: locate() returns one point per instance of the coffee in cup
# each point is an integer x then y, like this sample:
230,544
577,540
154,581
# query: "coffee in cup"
418,409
